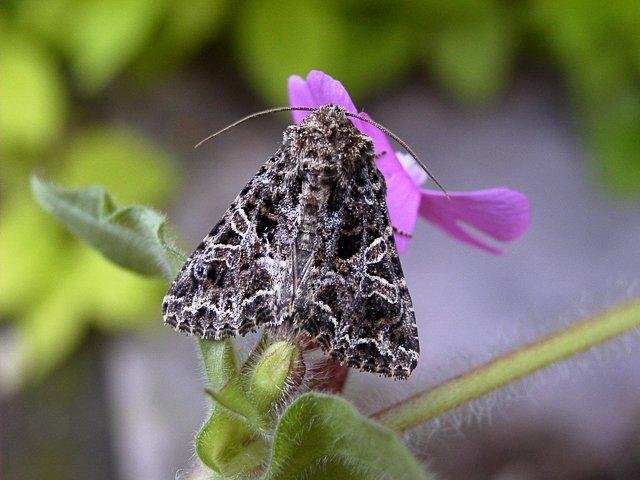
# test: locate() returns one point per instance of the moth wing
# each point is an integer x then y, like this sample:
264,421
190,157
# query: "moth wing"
357,305
232,282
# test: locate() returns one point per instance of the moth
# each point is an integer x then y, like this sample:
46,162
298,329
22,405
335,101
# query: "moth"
306,246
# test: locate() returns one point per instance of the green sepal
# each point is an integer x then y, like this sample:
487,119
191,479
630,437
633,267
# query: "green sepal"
232,441
276,368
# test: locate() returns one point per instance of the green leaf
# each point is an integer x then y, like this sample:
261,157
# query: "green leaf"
228,447
132,237
231,442
65,288
33,105
322,436
98,155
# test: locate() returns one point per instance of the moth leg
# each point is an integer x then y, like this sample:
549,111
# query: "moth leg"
380,155
402,233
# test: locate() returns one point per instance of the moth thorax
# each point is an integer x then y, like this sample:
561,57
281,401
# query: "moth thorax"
320,169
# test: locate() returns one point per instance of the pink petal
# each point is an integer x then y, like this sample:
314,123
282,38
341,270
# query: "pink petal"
500,213
299,96
317,90
403,204
403,196
325,89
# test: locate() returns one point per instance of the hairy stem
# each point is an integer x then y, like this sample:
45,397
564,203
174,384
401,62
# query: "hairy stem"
430,404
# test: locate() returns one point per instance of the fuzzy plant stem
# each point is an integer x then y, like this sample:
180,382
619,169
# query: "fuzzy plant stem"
469,386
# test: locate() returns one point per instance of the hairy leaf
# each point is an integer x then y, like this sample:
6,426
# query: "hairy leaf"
322,436
133,237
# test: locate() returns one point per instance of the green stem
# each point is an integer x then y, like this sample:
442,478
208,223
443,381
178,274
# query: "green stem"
430,404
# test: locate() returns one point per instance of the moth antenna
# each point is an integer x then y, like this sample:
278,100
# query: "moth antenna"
404,145
249,117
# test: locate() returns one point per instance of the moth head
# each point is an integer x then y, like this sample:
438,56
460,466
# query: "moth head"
326,142
332,122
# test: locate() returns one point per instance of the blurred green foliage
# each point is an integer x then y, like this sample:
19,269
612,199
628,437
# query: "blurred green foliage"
597,46
57,55
52,286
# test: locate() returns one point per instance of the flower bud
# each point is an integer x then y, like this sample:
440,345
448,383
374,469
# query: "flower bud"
277,370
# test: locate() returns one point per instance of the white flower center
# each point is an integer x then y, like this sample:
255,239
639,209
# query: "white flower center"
415,171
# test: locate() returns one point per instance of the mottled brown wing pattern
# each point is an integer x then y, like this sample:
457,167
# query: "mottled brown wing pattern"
232,282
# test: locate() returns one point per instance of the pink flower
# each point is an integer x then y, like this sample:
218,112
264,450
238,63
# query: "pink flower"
500,213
